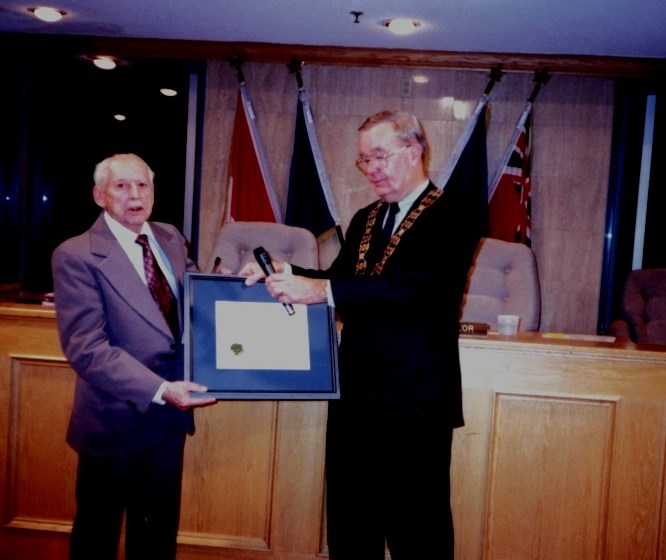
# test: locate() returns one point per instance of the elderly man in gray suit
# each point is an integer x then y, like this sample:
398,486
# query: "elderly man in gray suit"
132,408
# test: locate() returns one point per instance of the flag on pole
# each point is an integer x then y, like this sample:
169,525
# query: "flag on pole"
310,203
250,195
466,175
510,193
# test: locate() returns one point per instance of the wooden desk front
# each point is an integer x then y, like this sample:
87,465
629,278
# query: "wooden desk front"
562,456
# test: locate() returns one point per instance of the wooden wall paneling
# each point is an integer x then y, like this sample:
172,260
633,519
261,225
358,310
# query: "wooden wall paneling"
30,44
469,469
563,454
254,477
550,463
36,465
220,108
298,494
571,161
566,458
637,491
38,496
230,471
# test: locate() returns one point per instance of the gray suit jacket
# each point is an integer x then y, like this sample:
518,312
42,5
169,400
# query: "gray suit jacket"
117,342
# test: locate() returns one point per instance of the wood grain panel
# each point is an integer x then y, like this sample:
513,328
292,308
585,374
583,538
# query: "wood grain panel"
40,396
638,469
563,455
230,464
30,45
550,463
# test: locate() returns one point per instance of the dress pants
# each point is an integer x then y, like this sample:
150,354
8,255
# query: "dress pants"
146,487
387,481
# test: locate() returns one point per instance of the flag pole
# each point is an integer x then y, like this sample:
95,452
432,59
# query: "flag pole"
295,68
495,76
236,62
541,78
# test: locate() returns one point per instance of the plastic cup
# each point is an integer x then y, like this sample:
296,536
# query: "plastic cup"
508,324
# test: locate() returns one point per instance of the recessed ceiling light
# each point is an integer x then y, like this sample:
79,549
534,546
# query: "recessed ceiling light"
168,92
104,62
119,117
402,26
48,14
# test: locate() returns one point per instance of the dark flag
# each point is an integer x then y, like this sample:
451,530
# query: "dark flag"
510,212
466,176
310,204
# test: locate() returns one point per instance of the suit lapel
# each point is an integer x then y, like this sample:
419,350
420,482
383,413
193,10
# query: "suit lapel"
117,268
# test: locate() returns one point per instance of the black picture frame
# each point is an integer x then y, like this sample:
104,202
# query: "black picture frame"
207,294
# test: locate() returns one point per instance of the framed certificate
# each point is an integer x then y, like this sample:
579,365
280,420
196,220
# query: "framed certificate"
241,343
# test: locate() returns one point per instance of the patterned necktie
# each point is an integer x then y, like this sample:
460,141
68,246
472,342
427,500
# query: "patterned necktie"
159,286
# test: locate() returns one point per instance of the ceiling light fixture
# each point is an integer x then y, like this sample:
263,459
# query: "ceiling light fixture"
45,13
104,62
402,26
168,92
356,15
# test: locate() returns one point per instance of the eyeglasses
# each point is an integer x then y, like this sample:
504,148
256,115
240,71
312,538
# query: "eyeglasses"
381,162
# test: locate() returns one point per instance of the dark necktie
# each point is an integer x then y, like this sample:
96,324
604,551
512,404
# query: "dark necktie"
159,286
387,230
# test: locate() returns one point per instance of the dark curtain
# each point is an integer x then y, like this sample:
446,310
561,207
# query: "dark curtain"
626,158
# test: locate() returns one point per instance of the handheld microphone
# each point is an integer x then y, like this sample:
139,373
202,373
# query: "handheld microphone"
264,260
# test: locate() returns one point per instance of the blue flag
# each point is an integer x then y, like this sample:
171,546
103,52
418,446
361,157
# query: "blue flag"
310,204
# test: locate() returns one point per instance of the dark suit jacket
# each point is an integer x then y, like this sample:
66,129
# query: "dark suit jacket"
399,342
117,341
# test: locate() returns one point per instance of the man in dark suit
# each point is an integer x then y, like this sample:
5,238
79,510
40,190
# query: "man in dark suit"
389,436
132,408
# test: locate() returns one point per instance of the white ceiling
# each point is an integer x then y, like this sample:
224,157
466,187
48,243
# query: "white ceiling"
626,28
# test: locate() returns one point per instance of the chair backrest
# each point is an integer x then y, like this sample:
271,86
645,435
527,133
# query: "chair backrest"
236,242
644,305
503,280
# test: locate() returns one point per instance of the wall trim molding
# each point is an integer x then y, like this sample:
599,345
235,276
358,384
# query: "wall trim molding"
611,67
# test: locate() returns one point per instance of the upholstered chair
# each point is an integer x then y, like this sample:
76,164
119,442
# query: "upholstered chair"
236,242
642,317
503,280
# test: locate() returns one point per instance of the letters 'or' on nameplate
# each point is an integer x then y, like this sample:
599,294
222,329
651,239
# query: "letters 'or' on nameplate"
241,343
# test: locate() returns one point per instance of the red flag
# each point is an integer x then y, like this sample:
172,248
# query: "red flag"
250,195
509,210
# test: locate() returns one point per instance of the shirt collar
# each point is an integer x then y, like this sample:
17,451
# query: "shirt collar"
412,196
124,234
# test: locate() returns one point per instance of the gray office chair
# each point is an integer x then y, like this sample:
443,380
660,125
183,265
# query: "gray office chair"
503,280
236,242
